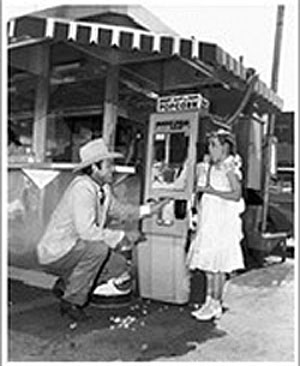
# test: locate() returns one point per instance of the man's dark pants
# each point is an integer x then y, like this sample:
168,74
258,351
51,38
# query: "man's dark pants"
87,264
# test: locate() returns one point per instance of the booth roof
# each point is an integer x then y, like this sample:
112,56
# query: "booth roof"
134,39
136,16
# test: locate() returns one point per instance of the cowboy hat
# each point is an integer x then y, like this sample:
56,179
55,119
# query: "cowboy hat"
93,152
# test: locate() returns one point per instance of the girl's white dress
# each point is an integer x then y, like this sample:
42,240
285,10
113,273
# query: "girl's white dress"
216,245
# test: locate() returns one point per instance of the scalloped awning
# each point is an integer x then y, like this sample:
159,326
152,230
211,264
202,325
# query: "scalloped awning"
29,28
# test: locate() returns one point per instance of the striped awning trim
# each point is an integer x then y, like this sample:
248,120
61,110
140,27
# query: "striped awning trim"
134,39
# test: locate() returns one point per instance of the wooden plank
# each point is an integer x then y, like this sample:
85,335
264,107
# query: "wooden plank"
41,104
110,115
271,122
28,56
29,26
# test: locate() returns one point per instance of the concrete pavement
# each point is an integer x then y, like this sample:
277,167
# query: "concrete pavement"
259,325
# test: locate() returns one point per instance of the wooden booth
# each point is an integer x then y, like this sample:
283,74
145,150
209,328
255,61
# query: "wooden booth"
80,72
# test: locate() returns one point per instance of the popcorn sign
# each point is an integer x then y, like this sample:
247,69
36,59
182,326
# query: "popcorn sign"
178,103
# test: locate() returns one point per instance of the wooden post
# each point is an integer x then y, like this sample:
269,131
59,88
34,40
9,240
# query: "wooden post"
110,114
271,122
42,54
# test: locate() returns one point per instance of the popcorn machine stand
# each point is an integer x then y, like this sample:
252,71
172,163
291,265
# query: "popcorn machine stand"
171,161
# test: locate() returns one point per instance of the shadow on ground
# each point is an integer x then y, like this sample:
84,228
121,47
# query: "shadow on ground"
141,331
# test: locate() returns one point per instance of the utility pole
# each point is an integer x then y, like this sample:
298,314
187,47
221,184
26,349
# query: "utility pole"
272,115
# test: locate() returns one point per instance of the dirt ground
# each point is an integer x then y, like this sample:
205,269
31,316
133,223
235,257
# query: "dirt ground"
259,325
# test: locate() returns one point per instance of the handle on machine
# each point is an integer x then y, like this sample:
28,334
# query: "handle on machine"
162,220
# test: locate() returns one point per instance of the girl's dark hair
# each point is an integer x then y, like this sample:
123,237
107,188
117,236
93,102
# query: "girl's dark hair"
230,142
87,170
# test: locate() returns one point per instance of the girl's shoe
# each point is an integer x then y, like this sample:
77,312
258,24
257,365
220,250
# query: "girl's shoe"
199,308
209,311
218,308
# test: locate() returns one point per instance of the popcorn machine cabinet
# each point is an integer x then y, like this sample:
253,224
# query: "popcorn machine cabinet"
171,161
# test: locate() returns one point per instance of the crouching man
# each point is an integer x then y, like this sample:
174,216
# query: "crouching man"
77,245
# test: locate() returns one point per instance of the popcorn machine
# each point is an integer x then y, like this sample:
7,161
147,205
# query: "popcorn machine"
171,161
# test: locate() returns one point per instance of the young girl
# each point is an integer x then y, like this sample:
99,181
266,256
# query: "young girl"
216,247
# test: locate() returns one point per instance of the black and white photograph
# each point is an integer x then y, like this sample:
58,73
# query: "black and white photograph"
149,181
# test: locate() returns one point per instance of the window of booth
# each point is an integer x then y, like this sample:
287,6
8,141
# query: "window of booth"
66,134
130,142
169,166
19,140
21,105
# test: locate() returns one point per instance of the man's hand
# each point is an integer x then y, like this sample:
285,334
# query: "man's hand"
157,206
152,207
133,236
